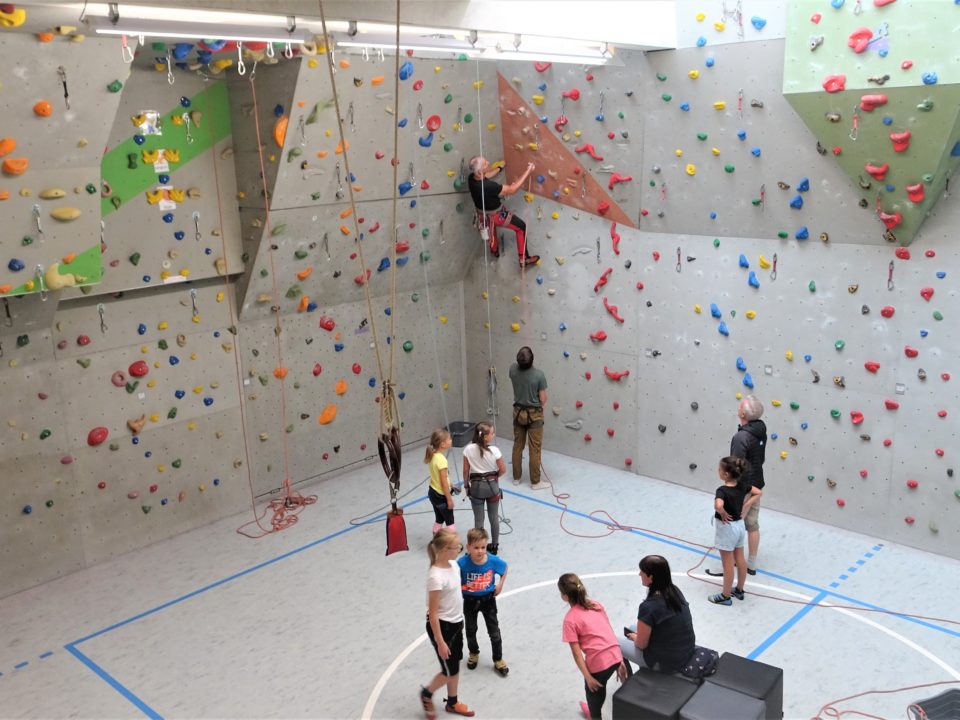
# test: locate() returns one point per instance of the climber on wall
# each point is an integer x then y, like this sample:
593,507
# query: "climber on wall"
491,214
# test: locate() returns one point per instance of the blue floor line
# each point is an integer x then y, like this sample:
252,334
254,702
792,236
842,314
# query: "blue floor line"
783,629
114,683
916,621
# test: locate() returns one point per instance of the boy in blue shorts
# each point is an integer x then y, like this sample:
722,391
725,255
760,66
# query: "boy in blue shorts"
478,572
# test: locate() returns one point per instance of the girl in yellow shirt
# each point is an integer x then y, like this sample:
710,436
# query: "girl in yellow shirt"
440,496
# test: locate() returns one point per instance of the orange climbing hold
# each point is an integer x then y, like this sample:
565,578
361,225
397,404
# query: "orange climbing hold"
15,166
376,80
4,289
305,273
280,373
341,387
7,146
43,109
67,259
328,414
344,229
339,150
45,37
280,130
304,304
346,213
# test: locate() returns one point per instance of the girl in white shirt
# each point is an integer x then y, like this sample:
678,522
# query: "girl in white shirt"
445,621
482,467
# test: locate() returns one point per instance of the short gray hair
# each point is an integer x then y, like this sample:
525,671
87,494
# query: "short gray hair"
476,163
752,408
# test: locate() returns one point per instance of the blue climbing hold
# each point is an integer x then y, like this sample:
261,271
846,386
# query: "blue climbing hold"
174,360
179,394
556,194
208,401
540,179
16,265
741,365
277,109
404,187
544,119
27,509
384,264
748,381
406,70
752,280
941,274
426,141
685,107
168,218
744,263
215,45
722,329
563,326
164,501
599,117
715,311
139,139
955,152
566,354
135,440
758,22
807,358
924,333
742,134
755,151
401,261
887,120
372,382
311,306
774,436
803,185
539,279
204,56
542,87
402,123
141,329
709,62
401,395
147,278
179,235
713,215
929,78
797,202
804,426
701,41
185,102
338,347
889,188
413,203
216,481
803,233
837,4
883,52
181,50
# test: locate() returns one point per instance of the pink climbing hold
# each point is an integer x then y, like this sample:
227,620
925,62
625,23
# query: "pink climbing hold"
872,366
859,39
887,311
118,379
587,437
610,432
841,502
835,83
560,123
869,103
881,3
890,220
941,413
603,279
139,368
598,336
133,494
856,417
616,376
603,207
83,340
66,460
906,64
618,178
97,436
578,404
902,253
815,18
615,238
926,293
656,255
910,352
891,404
877,172
628,461
939,452
572,94
589,149
613,310
541,67
945,376
887,442
378,154
909,520
900,140
916,193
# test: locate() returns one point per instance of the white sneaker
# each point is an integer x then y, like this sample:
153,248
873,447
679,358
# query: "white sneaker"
516,482
543,484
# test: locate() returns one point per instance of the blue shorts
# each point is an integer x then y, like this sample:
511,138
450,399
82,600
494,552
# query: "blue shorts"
729,536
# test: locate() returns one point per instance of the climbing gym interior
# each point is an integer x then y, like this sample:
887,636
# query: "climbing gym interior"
243,281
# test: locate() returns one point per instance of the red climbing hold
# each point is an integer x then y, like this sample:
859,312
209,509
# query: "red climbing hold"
869,103
327,322
881,3
926,293
541,67
424,185
587,375
909,520
941,413
930,253
856,417
900,140
887,311
560,123
613,310
891,404
610,432
603,279
945,376
656,255
97,436
616,405
373,229
618,178
835,83
912,484
139,368
902,253
628,461
910,352
841,502
863,473
598,336
589,149
906,64
872,366
83,340
579,404
639,285
572,94
317,369
611,135
837,150
815,18
360,279
356,368
890,220
616,376
859,39
916,193
433,123
887,442
603,207
615,238
877,172
587,437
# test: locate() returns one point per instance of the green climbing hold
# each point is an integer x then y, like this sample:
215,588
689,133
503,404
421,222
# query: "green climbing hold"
733,313
468,118
289,429
134,259
171,413
716,242
162,344
245,257
415,297
448,99
27,240
49,503
701,136
462,56
131,161
425,232
925,106
131,387
937,315
263,380
114,446
296,385
666,97
835,414
927,178
315,196
447,147
407,346
459,208
934,528
621,115
45,433
840,345
782,234
956,493
794,405
812,286
653,183
278,229
177,463
756,202
729,168
83,362
115,87
661,77
158,47
23,340
90,188
263,272
146,509
458,184
425,256
300,254
294,153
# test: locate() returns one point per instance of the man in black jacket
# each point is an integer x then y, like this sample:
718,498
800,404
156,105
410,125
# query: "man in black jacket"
750,443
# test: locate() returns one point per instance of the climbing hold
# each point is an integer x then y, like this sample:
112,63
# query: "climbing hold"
802,234
910,352
834,83
926,293
797,202
722,328
891,404
741,365
872,366
752,280
747,380
327,415
96,436
887,311
929,78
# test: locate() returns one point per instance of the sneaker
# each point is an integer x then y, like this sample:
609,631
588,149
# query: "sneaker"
530,260
738,594
541,485
472,661
516,481
493,549
751,571
460,709
720,599
427,702
501,667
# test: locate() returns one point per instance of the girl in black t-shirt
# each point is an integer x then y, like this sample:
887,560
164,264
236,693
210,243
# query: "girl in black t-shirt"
731,502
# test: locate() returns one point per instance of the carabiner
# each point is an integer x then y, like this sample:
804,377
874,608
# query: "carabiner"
241,68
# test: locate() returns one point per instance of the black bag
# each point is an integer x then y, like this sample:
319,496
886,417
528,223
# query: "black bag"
701,664
483,488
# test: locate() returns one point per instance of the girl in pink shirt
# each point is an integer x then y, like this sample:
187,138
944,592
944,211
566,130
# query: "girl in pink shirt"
592,641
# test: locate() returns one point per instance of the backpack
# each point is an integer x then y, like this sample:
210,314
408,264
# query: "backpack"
701,664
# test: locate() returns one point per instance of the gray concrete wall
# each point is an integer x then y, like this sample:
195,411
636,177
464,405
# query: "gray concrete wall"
818,466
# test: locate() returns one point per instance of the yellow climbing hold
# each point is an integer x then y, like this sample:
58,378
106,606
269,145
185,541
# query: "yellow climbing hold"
700,17
764,263
163,325
538,99
197,389
783,454
719,26
693,74
436,68
312,63
697,309
715,151
515,299
720,105
776,403
491,126
151,383
739,396
576,133
477,84
485,295
751,314
555,215
486,325
528,197
678,152
191,425
789,355
155,417
443,319
691,169
515,327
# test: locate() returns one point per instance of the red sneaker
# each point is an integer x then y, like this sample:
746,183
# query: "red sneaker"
460,709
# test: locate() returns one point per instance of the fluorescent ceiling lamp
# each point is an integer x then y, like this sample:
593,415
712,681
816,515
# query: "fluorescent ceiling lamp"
578,59
417,44
197,31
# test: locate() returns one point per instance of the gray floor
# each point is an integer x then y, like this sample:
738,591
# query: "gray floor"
316,622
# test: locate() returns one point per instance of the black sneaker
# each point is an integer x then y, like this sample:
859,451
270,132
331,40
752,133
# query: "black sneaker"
738,594
751,571
530,260
493,549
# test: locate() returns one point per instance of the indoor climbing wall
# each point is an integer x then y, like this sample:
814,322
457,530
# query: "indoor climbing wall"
879,87
306,274
730,285
60,93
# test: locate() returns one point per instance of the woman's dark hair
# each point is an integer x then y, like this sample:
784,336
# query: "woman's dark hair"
735,467
661,582
525,358
480,436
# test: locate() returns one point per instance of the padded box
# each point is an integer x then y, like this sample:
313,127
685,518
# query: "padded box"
756,679
712,702
461,433
649,695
